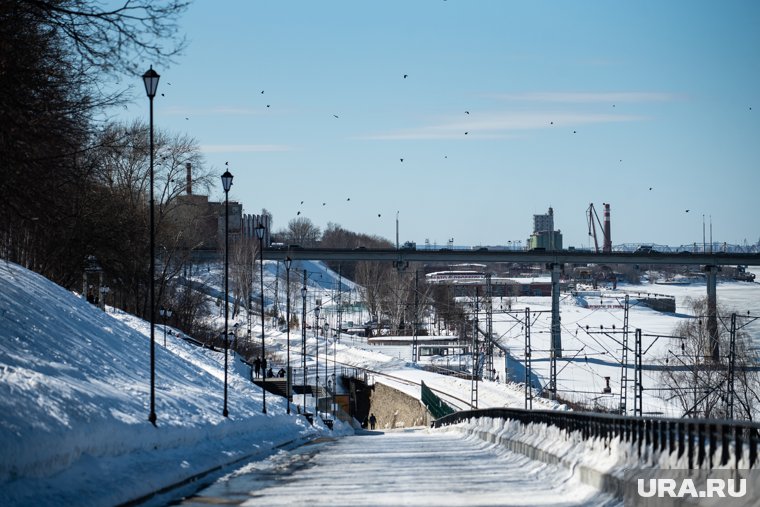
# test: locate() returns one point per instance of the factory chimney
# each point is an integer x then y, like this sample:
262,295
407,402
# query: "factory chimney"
189,167
607,246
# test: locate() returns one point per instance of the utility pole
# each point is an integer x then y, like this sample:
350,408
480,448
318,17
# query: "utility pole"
528,372
489,326
475,361
624,362
638,386
416,315
731,367
556,341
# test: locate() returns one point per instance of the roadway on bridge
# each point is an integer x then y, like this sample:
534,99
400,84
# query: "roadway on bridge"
401,467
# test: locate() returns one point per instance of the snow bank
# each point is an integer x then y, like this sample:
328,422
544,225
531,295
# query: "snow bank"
74,402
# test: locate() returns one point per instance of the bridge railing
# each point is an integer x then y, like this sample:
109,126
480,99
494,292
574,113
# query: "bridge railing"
698,439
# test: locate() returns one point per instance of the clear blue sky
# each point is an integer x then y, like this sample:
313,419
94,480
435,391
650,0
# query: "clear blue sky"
569,103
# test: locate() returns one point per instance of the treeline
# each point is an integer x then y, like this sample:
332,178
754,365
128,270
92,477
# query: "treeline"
73,185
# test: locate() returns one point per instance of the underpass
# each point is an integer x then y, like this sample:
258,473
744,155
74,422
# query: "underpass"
402,467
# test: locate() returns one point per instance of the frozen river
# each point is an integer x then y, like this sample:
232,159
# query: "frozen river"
404,467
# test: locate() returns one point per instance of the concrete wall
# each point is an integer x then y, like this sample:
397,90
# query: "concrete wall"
394,409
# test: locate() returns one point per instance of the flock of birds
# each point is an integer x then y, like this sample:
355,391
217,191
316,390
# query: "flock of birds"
401,159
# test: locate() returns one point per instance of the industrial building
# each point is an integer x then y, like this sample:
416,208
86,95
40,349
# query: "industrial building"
544,236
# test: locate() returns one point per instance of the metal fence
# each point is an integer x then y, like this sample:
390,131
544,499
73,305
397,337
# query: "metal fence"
699,439
437,407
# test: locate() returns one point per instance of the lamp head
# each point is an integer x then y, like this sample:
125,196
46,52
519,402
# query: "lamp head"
288,262
260,231
227,181
316,311
303,292
150,79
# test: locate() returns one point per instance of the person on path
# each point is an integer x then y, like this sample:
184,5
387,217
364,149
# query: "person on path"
264,367
257,365
372,421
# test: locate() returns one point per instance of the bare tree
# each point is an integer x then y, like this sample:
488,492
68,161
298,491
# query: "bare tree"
301,231
698,384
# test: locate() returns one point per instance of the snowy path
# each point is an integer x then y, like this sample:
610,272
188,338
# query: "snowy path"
411,467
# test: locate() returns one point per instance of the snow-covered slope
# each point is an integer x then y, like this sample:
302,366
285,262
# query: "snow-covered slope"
74,403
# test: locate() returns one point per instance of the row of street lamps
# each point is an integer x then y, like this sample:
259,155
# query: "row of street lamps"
150,80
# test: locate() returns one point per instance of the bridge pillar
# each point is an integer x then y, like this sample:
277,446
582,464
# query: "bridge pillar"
713,351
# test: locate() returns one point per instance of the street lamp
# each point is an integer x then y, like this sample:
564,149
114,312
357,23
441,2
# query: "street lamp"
303,335
260,234
150,79
165,312
288,261
226,183
316,360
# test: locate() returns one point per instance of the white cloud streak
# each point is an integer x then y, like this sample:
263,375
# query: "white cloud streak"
586,97
244,148
502,125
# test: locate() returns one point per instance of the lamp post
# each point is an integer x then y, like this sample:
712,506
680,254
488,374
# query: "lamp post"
260,234
150,79
165,312
316,360
288,261
303,335
226,183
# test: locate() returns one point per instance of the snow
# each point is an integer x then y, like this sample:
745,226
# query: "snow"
75,403
75,386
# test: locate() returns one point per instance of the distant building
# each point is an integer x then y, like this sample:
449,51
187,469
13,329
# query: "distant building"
544,236
201,222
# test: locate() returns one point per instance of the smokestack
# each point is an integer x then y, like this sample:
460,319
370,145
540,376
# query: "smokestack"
607,247
189,167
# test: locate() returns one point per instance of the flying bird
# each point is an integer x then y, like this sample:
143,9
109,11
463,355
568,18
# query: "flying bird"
267,105
551,123
165,96
466,112
335,115
405,75
348,199
650,188
378,214
298,213
301,202
687,211
466,133
574,132
324,203
401,159
262,91
187,118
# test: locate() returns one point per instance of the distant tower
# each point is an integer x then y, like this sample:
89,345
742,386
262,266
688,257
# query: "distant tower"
607,246
189,185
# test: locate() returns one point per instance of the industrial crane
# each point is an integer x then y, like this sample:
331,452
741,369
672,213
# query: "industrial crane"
591,215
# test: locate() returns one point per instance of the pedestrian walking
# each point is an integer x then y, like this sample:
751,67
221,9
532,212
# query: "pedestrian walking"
257,365
264,367
372,421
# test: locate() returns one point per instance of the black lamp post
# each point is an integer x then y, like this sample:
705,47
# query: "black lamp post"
303,335
316,360
288,261
165,312
150,79
260,234
226,183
